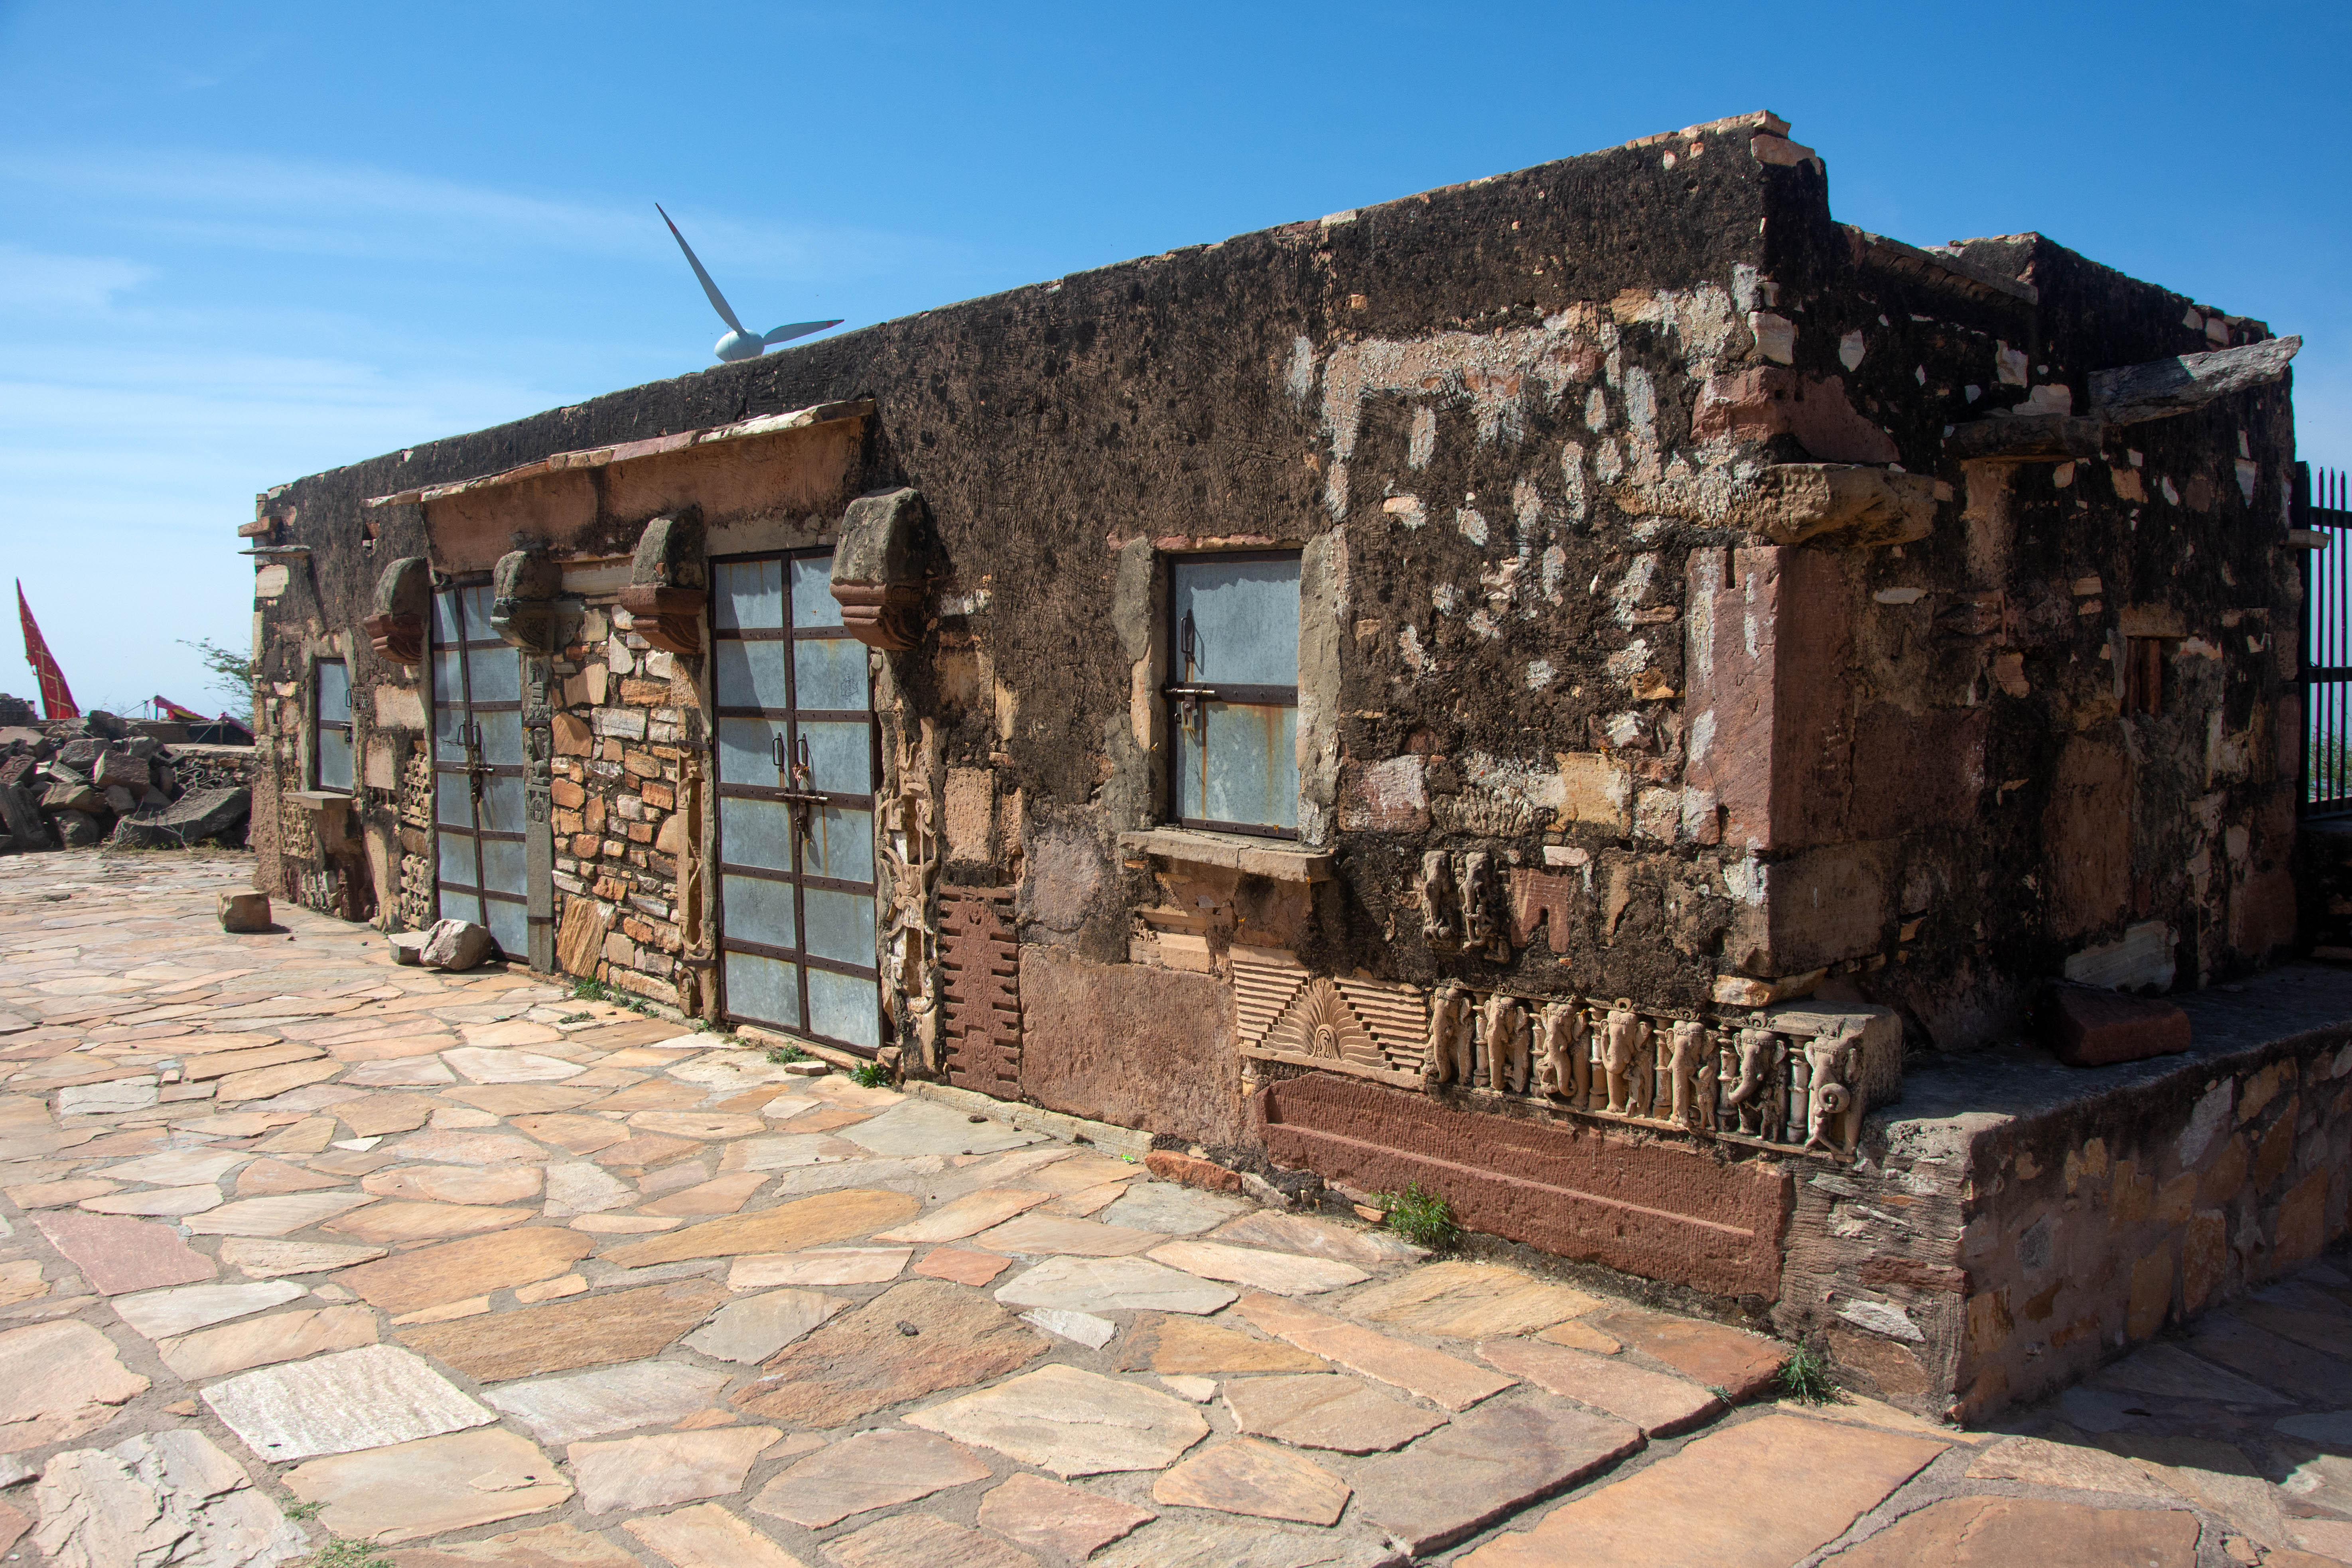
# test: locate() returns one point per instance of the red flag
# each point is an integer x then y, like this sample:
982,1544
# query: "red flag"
171,709
57,698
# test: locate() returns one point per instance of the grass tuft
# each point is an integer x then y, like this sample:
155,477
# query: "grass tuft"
870,1075
781,1054
1805,1377
341,1552
1421,1216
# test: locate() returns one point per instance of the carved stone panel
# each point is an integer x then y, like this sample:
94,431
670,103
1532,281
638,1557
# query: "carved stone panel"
979,971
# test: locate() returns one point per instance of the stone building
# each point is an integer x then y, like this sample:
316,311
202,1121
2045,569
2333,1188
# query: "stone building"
1552,688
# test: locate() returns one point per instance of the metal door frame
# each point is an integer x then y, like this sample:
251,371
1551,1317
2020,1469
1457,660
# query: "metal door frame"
466,648
797,878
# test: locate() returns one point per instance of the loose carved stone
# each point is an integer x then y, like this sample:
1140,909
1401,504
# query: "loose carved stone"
1449,1037
1508,1044
1440,903
1833,1119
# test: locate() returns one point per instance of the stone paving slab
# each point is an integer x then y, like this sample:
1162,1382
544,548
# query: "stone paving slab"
571,1288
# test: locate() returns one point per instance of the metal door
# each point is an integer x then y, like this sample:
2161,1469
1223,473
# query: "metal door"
796,778
480,860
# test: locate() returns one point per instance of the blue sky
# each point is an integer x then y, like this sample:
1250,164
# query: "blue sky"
240,243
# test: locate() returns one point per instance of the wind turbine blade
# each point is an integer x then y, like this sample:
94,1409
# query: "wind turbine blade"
718,301
800,330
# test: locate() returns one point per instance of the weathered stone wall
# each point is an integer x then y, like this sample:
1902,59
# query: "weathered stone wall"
2020,1222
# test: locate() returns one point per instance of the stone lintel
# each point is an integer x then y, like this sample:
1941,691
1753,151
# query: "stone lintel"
1272,858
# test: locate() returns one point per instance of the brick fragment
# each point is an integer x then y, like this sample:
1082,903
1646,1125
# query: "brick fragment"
2085,1025
1170,1165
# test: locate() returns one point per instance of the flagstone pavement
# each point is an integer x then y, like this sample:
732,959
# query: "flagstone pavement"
302,1250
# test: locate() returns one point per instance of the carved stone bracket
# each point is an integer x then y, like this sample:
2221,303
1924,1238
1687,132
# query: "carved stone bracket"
396,630
523,611
667,592
878,568
669,618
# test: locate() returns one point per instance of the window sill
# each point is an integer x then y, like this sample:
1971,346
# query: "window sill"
1250,856
317,800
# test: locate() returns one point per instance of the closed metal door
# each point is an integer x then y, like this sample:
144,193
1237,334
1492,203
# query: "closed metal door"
480,862
797,770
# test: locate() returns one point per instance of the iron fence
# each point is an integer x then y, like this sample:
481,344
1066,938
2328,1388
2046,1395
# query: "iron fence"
2323,518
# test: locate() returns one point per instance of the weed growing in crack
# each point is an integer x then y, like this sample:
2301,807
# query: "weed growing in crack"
870,1075
1421,1216
781,1054
1805,1377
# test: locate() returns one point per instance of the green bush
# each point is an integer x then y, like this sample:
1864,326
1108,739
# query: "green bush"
1421,1216
780,1054
870,1075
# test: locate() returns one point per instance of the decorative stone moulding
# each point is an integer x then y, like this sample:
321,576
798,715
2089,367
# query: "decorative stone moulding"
879,576
667,592
1796,1079
396,630
523,608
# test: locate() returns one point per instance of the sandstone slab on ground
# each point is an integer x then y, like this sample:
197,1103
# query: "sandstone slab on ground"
1113,1284
1324,1411
1066,1521
862,1360
707,1536
1283,1273
589,1330
363,1398
1742,1365
412,1489
665,1468
57,1369
276,1216
2040,1462
2003,1532
1071,1422
161,1497
1657,1404
540,1546
611,1399
1181,1347
1036,1234
1262,1479
454,1270
2172,1373
923,1538
870,1470
160,1314
966,1216
267,1258
1316,1238
117,1254
1760,1495
287,1336
921,1127
833,1266
1435,1375
1169,1209
755,1329
1197,1540
1486,1466
1470,1301
787,1227
962,1266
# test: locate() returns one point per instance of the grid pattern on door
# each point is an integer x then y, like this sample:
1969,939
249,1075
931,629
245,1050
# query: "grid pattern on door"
480,864
2322,505
796,772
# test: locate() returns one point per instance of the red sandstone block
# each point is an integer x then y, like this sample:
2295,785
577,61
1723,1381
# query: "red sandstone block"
2084,1026
1170,1165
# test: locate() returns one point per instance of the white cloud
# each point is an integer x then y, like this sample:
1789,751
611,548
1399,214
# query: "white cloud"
39,281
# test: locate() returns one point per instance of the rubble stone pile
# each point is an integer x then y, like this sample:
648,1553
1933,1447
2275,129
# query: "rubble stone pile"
78,781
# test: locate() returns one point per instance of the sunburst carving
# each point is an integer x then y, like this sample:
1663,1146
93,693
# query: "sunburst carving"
1319,1023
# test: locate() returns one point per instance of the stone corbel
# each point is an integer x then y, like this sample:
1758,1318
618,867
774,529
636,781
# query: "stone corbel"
1839,504
396,630
523,609
668,591
878,567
